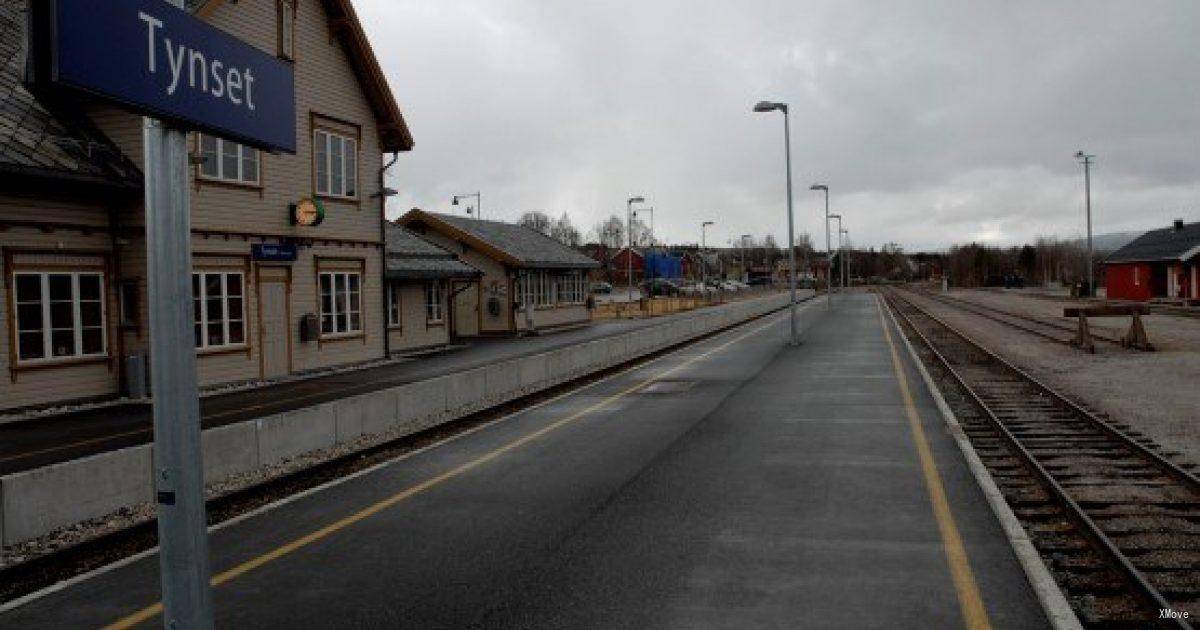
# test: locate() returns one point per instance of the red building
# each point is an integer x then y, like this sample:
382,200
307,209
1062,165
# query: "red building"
1158,264
620,266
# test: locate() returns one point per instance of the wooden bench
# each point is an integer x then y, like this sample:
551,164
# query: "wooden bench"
1134,338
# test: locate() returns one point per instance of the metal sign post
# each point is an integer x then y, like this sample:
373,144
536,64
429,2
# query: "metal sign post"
178,468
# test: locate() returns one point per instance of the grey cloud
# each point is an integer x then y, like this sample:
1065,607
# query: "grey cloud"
933,122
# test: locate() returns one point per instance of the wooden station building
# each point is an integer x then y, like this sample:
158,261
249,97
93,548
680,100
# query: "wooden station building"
288,250
1162,263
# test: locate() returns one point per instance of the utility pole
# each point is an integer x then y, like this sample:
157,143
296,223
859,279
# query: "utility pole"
178,468
703,248
1087,195
629,237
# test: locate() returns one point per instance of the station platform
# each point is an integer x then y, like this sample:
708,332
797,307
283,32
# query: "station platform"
735,483
70,435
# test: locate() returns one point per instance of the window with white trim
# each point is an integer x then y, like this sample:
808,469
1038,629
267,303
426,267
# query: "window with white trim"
435,302
226,161
571,288
341,302
59,315
287,29
336,164
219,309
393,304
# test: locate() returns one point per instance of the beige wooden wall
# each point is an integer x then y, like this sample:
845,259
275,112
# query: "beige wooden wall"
60,382
415,331
495,278
326,85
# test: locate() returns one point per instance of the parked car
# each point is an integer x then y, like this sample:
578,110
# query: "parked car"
697,289
602,288
659,287
759,281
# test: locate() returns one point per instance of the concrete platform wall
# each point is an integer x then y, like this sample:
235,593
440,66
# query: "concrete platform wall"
39,501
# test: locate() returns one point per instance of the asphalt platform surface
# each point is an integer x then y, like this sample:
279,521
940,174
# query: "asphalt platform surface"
735,483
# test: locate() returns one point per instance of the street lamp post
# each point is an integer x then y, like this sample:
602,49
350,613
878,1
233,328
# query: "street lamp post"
645,275
745,276
828,253
629,238
478,203
703,248
767,106
845,258
841,254
1086,160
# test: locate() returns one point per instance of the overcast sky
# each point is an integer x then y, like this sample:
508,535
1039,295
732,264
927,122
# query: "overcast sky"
932,122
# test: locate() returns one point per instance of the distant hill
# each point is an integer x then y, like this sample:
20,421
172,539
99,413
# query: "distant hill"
1110,242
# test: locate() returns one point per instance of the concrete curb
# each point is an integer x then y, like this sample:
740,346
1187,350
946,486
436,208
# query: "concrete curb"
1053,602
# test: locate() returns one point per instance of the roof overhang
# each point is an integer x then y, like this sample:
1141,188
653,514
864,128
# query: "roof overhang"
420,217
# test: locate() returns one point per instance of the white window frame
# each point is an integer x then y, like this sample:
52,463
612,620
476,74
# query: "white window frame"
226,315
221,176
324,141
394,304
47,328
337,330
571,288
287,29
435,302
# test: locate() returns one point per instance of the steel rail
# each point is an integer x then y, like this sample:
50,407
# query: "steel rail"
991,313
1088,526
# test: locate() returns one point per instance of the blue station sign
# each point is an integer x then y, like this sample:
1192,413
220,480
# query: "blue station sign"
162,61
271,252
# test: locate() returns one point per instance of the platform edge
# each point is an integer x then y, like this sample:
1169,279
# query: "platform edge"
1053,601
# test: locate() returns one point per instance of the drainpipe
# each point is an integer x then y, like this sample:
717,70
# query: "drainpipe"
387,341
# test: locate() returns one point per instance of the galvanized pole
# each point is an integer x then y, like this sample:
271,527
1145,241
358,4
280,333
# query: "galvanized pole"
629,225
1087,185
787,150
178,472
829,272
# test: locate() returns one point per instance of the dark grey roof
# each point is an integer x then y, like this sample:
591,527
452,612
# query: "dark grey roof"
46,141
530,248
410,257
1165,244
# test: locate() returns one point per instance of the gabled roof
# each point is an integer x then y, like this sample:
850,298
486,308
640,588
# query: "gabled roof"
512,244
1158,245
344,23
410,257
43,140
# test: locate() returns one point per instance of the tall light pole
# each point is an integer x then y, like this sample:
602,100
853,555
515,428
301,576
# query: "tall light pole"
478,203
767,106
845,258
651,211
1086,160
745,276
841,254
629,236
828,254
703,248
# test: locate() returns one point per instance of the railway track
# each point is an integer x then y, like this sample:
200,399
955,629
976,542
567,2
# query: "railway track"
1060,332
1116,520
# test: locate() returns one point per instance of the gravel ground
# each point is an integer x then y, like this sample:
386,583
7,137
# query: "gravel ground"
1158,393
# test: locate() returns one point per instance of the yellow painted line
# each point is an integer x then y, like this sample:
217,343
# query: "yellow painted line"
969,600
156,609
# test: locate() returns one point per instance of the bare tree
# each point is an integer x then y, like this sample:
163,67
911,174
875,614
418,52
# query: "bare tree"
642,236
563,231
611,232
537,221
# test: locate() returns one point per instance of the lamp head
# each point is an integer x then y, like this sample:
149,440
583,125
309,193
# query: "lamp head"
707,223
633,200
835,216
819,187
768,106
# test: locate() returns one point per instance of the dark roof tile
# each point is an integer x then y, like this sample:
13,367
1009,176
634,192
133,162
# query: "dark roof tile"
1165,244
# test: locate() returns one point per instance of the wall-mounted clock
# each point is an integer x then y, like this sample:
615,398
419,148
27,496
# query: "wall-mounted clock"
307,212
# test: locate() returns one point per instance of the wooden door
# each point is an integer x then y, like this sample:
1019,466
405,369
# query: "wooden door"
274,330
